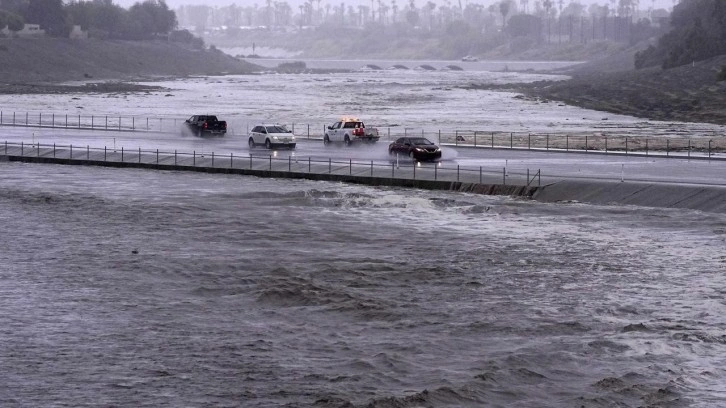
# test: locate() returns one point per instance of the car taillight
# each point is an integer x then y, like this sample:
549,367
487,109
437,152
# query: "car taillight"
206,125
358,132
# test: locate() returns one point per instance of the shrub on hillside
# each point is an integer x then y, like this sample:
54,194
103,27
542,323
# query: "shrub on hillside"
722,75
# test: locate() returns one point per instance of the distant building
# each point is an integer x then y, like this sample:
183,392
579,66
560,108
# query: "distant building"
31,30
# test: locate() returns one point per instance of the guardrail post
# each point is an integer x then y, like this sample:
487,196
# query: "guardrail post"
52,118
689,148
139,154
457,172
456,137
492,140
308,131
527,176
309,165
567,143
79,121
270,162
194,158
393,171
475,138
436,170
231,160
21,149
40,119
330,165
147,124
289,163
92,121
626,145
157,156
106,122
479,174
104,153
350,166
709,148
122,154
668,147
6,148
175,157
606,144
371,168
529,141
504,176
26,118
70,155
586,143
547,142
88,152
646,146
414,171
511,140
54,150
133,122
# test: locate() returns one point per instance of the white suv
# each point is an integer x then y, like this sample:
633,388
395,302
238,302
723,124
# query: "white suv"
271,136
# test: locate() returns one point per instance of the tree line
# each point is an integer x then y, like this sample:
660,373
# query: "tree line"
101,18
698,32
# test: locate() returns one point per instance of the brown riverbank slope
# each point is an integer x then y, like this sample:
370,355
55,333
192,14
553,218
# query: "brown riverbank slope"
690,93
38,65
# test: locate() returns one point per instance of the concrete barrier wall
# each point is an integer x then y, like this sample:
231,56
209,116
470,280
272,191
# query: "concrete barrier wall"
703,198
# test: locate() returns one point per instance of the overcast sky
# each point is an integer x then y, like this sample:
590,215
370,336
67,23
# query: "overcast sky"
644,4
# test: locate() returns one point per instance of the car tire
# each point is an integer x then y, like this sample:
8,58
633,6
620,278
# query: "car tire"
326,140
347,140
251,143
268,144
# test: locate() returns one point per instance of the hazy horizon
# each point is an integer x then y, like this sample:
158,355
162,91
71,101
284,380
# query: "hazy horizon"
645,5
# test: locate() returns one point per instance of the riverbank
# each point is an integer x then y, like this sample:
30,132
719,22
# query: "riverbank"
53,65
690,93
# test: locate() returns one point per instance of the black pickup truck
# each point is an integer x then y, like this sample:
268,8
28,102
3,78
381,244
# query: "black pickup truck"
201,125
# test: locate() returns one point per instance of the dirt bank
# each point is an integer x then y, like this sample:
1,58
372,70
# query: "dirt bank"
689,93
31,65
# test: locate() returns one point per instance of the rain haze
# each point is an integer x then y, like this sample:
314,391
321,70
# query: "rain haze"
665,4
132,284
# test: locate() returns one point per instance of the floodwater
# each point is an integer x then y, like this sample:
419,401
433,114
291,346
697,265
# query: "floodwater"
394,100
127,287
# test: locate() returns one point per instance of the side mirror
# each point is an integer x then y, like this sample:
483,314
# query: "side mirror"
330,127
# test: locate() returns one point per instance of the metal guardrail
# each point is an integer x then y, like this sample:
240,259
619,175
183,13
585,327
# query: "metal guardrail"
706,145
269,163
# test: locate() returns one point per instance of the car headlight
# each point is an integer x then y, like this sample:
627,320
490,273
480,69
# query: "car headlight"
418,149
274,137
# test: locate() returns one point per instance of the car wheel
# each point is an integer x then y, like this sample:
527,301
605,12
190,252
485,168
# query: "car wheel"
347,140
326,140
268,144
251,142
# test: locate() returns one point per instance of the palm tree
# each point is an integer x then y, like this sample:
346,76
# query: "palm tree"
547,5
524,4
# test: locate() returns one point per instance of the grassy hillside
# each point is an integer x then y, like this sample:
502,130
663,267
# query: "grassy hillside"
50,60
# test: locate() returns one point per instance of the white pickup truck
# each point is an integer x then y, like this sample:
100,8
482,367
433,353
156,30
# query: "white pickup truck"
349,131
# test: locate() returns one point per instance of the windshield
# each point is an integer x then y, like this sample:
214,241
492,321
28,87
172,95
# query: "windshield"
277,129
421,141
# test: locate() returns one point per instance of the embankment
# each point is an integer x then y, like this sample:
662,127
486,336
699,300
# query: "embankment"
657,195
660,195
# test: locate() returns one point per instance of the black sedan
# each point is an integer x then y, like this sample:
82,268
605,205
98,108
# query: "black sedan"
417,148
